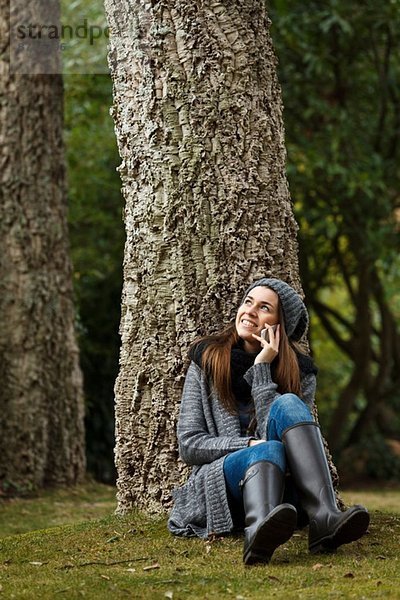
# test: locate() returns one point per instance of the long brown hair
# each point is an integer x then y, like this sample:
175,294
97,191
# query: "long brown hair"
216,362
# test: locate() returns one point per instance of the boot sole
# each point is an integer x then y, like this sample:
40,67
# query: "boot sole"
354,527
277,528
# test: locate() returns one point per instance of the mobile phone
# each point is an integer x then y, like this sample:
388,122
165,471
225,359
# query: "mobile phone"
265,333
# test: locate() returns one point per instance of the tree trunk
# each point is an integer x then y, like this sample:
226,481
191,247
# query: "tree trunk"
41,427
198,117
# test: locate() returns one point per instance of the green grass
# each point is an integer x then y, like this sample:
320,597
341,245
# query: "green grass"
56,507
136,557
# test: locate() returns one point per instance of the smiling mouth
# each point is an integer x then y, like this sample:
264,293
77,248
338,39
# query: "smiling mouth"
248,323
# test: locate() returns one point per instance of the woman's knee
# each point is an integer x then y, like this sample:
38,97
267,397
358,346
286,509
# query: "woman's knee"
289,404
286,401
272,451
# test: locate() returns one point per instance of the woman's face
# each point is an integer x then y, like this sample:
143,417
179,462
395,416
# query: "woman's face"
259,309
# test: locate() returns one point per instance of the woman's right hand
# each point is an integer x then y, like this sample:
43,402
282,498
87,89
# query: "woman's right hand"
269,349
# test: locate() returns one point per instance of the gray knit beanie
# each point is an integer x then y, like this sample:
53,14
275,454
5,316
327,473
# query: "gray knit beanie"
294,311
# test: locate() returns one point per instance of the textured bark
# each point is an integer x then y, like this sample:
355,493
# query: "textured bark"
41,426
198,117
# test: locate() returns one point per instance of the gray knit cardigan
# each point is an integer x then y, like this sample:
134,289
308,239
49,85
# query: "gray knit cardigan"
206,434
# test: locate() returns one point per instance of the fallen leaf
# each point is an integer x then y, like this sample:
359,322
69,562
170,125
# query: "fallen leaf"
169,594
273,578
151,567
105,577
349,575
381,557
36,563
131,570
317,566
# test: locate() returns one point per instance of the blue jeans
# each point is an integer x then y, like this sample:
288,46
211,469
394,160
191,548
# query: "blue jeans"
286,411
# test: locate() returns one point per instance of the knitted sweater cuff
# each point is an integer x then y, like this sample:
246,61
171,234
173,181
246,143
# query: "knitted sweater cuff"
259,375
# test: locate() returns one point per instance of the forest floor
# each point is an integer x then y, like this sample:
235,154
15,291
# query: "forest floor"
69,544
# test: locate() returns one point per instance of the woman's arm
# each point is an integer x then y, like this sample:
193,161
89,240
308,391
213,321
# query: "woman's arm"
196,445
264,392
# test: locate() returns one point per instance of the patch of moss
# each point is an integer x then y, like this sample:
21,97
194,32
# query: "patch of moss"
136,557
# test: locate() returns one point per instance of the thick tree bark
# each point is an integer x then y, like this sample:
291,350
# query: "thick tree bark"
41,426
198,117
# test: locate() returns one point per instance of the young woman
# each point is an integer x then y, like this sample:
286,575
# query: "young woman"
245,423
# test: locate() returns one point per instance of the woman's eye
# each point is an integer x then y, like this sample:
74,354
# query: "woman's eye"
248,301
265,307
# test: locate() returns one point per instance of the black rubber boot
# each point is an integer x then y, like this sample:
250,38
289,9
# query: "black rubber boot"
268,523
329,527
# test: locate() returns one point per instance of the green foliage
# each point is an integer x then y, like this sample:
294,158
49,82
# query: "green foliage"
334,370
11,489
95,220
375,458
341,111
340,77
97,237
340,80
84,37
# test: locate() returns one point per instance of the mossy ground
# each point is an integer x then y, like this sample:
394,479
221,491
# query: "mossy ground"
136,557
